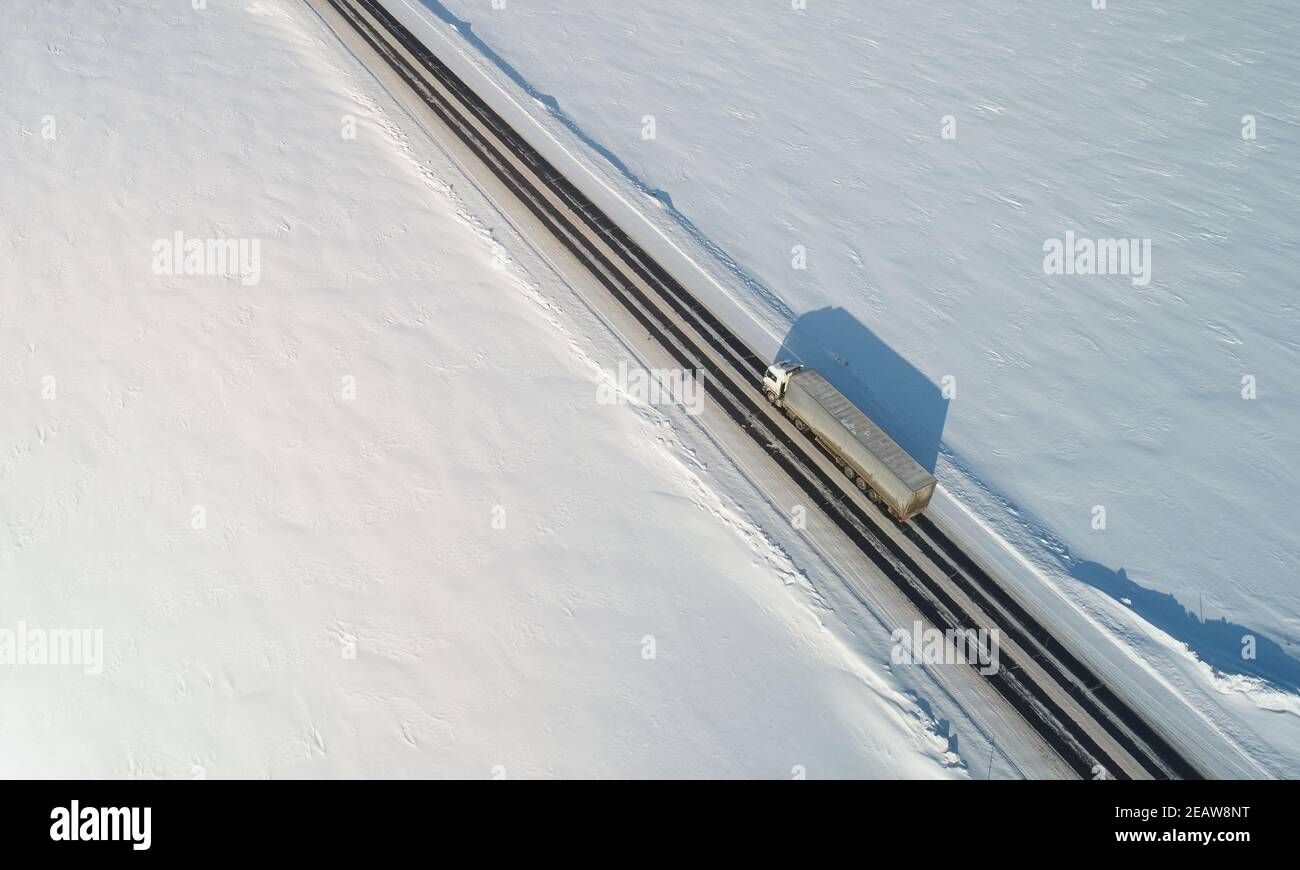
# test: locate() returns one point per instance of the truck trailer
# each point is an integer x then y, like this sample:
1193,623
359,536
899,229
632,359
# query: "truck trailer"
862,450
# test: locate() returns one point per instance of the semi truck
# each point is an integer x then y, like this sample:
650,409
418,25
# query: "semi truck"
867,456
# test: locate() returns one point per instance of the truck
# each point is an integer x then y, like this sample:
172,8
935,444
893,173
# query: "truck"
869,458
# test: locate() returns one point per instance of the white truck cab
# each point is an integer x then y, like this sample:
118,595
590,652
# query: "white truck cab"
777,379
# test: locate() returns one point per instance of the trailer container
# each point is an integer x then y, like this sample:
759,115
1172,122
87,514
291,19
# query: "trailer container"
869,457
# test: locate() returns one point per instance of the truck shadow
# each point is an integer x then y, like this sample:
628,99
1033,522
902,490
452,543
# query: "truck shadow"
892,392
1217,642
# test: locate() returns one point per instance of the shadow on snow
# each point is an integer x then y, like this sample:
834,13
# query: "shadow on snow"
1217,642
893,392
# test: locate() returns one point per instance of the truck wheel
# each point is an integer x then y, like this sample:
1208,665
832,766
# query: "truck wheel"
771,397
800,425
871,494
849,472
862,484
